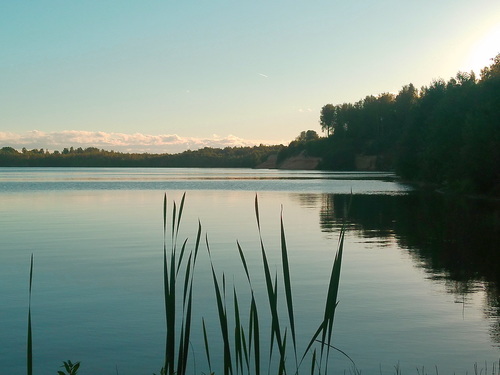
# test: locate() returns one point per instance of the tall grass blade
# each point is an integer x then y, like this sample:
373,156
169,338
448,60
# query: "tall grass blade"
164,214
197,245
243,260
272,298
166,287
245,350
180,353
187,279
271,295
257,211
181,256
207,347
335,283
237,335
325,329
179,217
253,329
171,314
170,276
255,333
273,331
282,369
288,285
313,339
331,302
271,290
174,215
222,317
29,349
313,363
184,344
172,264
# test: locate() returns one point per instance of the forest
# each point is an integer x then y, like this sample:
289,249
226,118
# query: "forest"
446,135
229,157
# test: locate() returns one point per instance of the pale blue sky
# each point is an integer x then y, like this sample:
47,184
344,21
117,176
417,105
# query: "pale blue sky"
163,76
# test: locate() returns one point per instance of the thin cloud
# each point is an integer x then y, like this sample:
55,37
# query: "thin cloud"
263,75
137,142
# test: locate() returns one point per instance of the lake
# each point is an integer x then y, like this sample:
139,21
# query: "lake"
419,282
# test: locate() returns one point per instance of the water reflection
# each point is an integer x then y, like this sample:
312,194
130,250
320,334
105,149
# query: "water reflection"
454,240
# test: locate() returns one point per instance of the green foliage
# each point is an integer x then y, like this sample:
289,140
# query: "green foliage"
229,157
241,343
447,133
8,150
71,368
173,260
306,136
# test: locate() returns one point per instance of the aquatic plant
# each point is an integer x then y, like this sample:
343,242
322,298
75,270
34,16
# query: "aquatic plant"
71,368
173,259
29,349
242,349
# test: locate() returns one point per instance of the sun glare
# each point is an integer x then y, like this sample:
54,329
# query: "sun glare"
486,47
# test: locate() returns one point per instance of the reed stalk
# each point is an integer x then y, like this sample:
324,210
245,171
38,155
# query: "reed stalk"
173,263
242,350
29,349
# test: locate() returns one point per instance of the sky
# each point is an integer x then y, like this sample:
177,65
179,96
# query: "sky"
166,76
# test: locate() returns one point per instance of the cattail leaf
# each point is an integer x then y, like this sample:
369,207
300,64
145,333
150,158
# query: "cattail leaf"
181,255
257,212
197,244
179,217
255,331
243,260
271,297
245,349
222,317
164,214
187,279
313,340
29,344
288,284
281,369
187,334
313,363
174,215
207,348
237,333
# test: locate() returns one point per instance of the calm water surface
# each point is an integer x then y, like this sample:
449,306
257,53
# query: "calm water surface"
419,283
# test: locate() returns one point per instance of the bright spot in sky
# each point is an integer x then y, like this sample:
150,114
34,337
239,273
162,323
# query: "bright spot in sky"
487,47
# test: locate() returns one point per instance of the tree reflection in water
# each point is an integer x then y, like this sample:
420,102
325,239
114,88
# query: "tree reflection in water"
455,240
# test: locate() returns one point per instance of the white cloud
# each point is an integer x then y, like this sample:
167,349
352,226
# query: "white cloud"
137,142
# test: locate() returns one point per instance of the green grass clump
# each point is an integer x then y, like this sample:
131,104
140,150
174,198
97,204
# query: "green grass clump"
242,342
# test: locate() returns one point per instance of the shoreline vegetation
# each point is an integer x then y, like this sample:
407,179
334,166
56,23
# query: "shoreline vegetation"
445,135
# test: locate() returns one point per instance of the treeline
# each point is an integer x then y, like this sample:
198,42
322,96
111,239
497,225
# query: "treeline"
447,133
234,157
